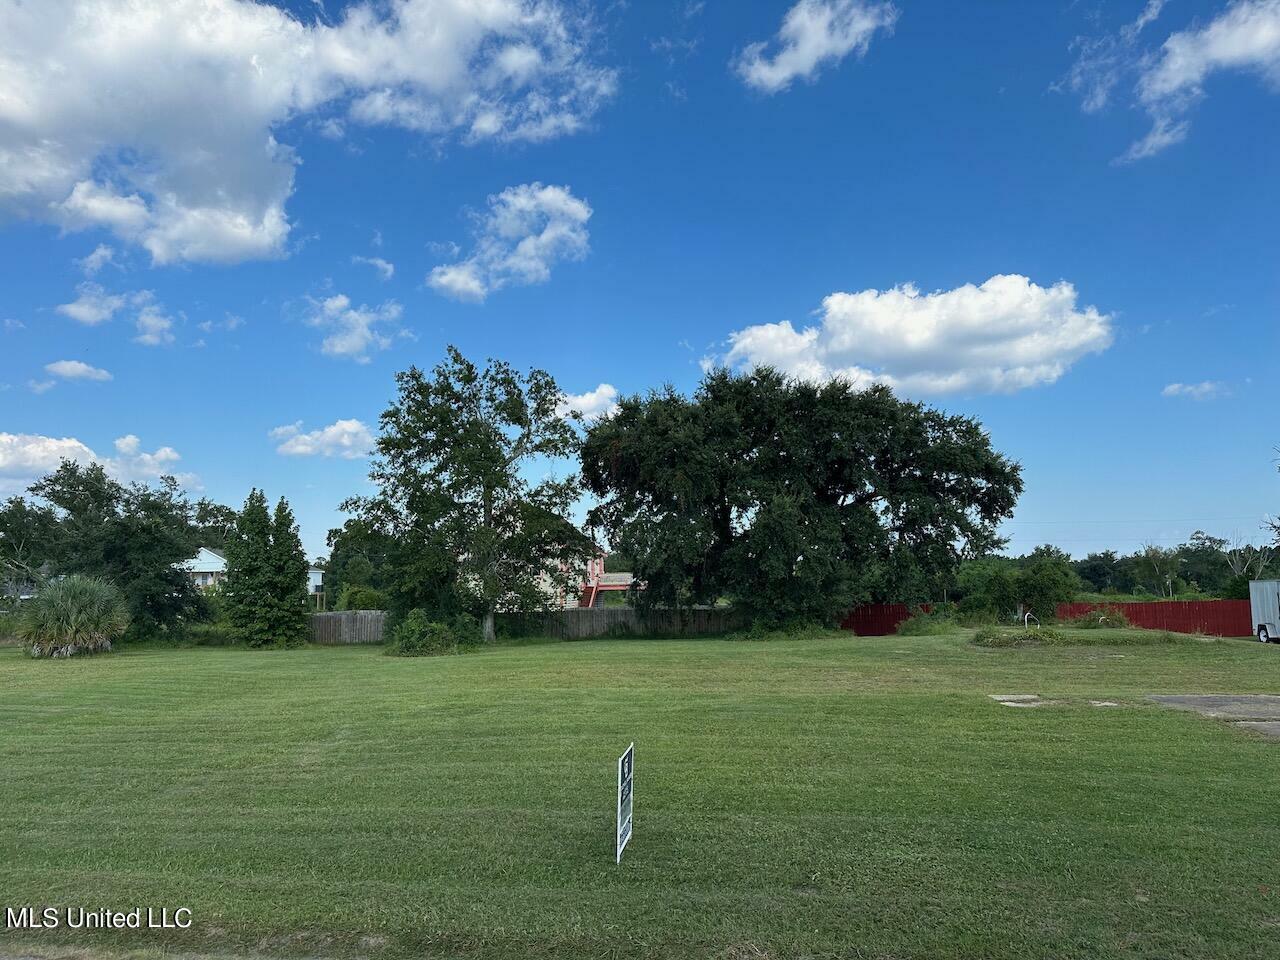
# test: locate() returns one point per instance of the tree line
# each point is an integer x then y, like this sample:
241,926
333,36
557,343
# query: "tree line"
80,526
790,500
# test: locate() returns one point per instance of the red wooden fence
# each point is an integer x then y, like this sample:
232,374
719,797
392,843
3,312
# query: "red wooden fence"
1221,618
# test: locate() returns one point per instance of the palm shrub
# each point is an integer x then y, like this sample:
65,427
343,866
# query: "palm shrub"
72,616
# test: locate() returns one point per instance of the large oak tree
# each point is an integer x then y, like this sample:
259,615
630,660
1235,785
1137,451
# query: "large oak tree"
791,499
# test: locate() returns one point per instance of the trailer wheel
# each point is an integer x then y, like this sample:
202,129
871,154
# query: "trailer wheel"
1263,636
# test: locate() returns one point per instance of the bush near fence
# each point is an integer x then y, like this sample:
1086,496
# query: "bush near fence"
582,623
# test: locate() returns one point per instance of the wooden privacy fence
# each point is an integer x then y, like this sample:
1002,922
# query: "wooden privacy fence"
1219,618
348,626
367,626
583,623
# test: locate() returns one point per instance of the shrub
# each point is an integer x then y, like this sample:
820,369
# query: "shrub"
209,634
1016,637
72,616
419,636
932,623
357,597
1102,619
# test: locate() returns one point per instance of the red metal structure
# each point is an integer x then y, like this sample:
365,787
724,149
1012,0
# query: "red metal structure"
1219,618
877,619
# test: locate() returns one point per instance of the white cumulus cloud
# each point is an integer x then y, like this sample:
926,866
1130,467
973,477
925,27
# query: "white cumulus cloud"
76,370
600,402
1204,390
353,332
348,439
158,119
25,457
526,230
1001,336
93,305
814,33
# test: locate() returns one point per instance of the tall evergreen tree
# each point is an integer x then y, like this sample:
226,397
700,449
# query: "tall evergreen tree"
248,586
288,571
266,589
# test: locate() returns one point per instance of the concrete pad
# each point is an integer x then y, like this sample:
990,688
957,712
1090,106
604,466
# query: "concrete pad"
1268,728
1014,697
1226,706
1104,703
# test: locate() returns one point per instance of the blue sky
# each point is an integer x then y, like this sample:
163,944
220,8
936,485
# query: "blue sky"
290,203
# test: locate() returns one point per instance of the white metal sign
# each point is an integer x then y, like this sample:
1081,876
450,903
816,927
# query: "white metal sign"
626,769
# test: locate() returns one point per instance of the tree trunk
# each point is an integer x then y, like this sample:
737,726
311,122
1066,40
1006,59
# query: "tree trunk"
489,635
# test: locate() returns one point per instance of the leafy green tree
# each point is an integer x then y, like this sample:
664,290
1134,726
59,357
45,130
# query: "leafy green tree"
793,500
28,539
215,524
1046,580
1204,562
1100,571
132,536
356,597
454,457
989,586
247,590
1158,570
288,579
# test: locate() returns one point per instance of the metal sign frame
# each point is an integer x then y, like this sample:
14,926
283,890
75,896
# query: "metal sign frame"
625,820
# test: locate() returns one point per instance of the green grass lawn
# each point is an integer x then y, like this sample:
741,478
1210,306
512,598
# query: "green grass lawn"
840,797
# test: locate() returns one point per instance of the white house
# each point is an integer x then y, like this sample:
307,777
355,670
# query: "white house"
208,568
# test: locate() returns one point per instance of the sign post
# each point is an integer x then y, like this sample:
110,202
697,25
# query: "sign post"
626,769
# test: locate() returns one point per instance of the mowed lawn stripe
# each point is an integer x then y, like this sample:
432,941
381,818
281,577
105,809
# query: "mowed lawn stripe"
835,796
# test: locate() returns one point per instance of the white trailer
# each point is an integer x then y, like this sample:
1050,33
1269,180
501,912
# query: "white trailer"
1264,606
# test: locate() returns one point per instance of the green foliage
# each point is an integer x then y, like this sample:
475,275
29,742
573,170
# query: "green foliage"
1069,636
1015,637
133,536
1046,580
988,588
615,561
266,586
28,539
362,556
762,632
941,620
453,461
996,588
417,635
214,523
793,500
1106,618
288,579
354,597
73,615
208,634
